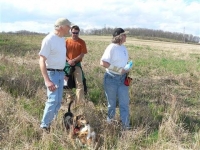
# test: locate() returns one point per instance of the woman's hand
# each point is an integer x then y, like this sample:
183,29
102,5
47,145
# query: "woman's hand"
125,71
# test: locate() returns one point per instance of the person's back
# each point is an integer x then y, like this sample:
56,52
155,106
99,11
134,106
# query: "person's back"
55,58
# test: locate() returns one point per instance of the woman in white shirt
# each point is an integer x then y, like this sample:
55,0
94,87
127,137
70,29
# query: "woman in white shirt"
114,59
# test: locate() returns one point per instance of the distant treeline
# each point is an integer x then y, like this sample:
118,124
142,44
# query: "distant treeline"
148,34
24,32
142,33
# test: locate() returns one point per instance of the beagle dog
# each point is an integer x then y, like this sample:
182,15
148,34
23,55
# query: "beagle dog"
79,129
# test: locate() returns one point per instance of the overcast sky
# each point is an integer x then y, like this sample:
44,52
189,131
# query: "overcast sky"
181,16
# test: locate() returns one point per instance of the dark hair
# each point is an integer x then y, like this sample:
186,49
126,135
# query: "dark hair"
118,31
75,27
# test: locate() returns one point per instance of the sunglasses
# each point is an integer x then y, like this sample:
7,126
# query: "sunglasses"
75,32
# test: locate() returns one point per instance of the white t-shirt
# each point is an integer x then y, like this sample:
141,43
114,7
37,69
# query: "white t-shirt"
116,55
54,49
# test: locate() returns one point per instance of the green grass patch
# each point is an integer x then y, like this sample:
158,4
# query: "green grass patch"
161,65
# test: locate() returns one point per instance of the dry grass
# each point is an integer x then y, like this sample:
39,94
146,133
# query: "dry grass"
164,99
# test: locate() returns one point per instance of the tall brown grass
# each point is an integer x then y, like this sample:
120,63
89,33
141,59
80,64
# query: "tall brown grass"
164,97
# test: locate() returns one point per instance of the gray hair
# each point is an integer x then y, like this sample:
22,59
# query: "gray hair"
57,27
61,22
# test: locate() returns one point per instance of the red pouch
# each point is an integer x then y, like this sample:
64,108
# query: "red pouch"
127,80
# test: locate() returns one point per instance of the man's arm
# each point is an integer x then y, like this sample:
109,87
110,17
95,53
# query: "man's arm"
72,62
78,58
43,69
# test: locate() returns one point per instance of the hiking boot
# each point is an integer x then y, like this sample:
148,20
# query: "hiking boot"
108,120
127,128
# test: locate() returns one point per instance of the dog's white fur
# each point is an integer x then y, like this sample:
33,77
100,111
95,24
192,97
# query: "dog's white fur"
90,132
87,137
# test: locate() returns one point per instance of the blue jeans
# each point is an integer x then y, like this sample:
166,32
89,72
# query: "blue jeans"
115,89
54,98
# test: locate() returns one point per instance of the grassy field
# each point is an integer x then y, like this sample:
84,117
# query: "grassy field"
164,96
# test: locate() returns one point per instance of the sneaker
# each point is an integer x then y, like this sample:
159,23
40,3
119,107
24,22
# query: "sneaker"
127,128
109,121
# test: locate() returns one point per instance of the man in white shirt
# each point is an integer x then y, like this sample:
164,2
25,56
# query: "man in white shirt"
52,62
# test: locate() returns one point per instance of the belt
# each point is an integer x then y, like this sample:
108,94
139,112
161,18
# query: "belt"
49,69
